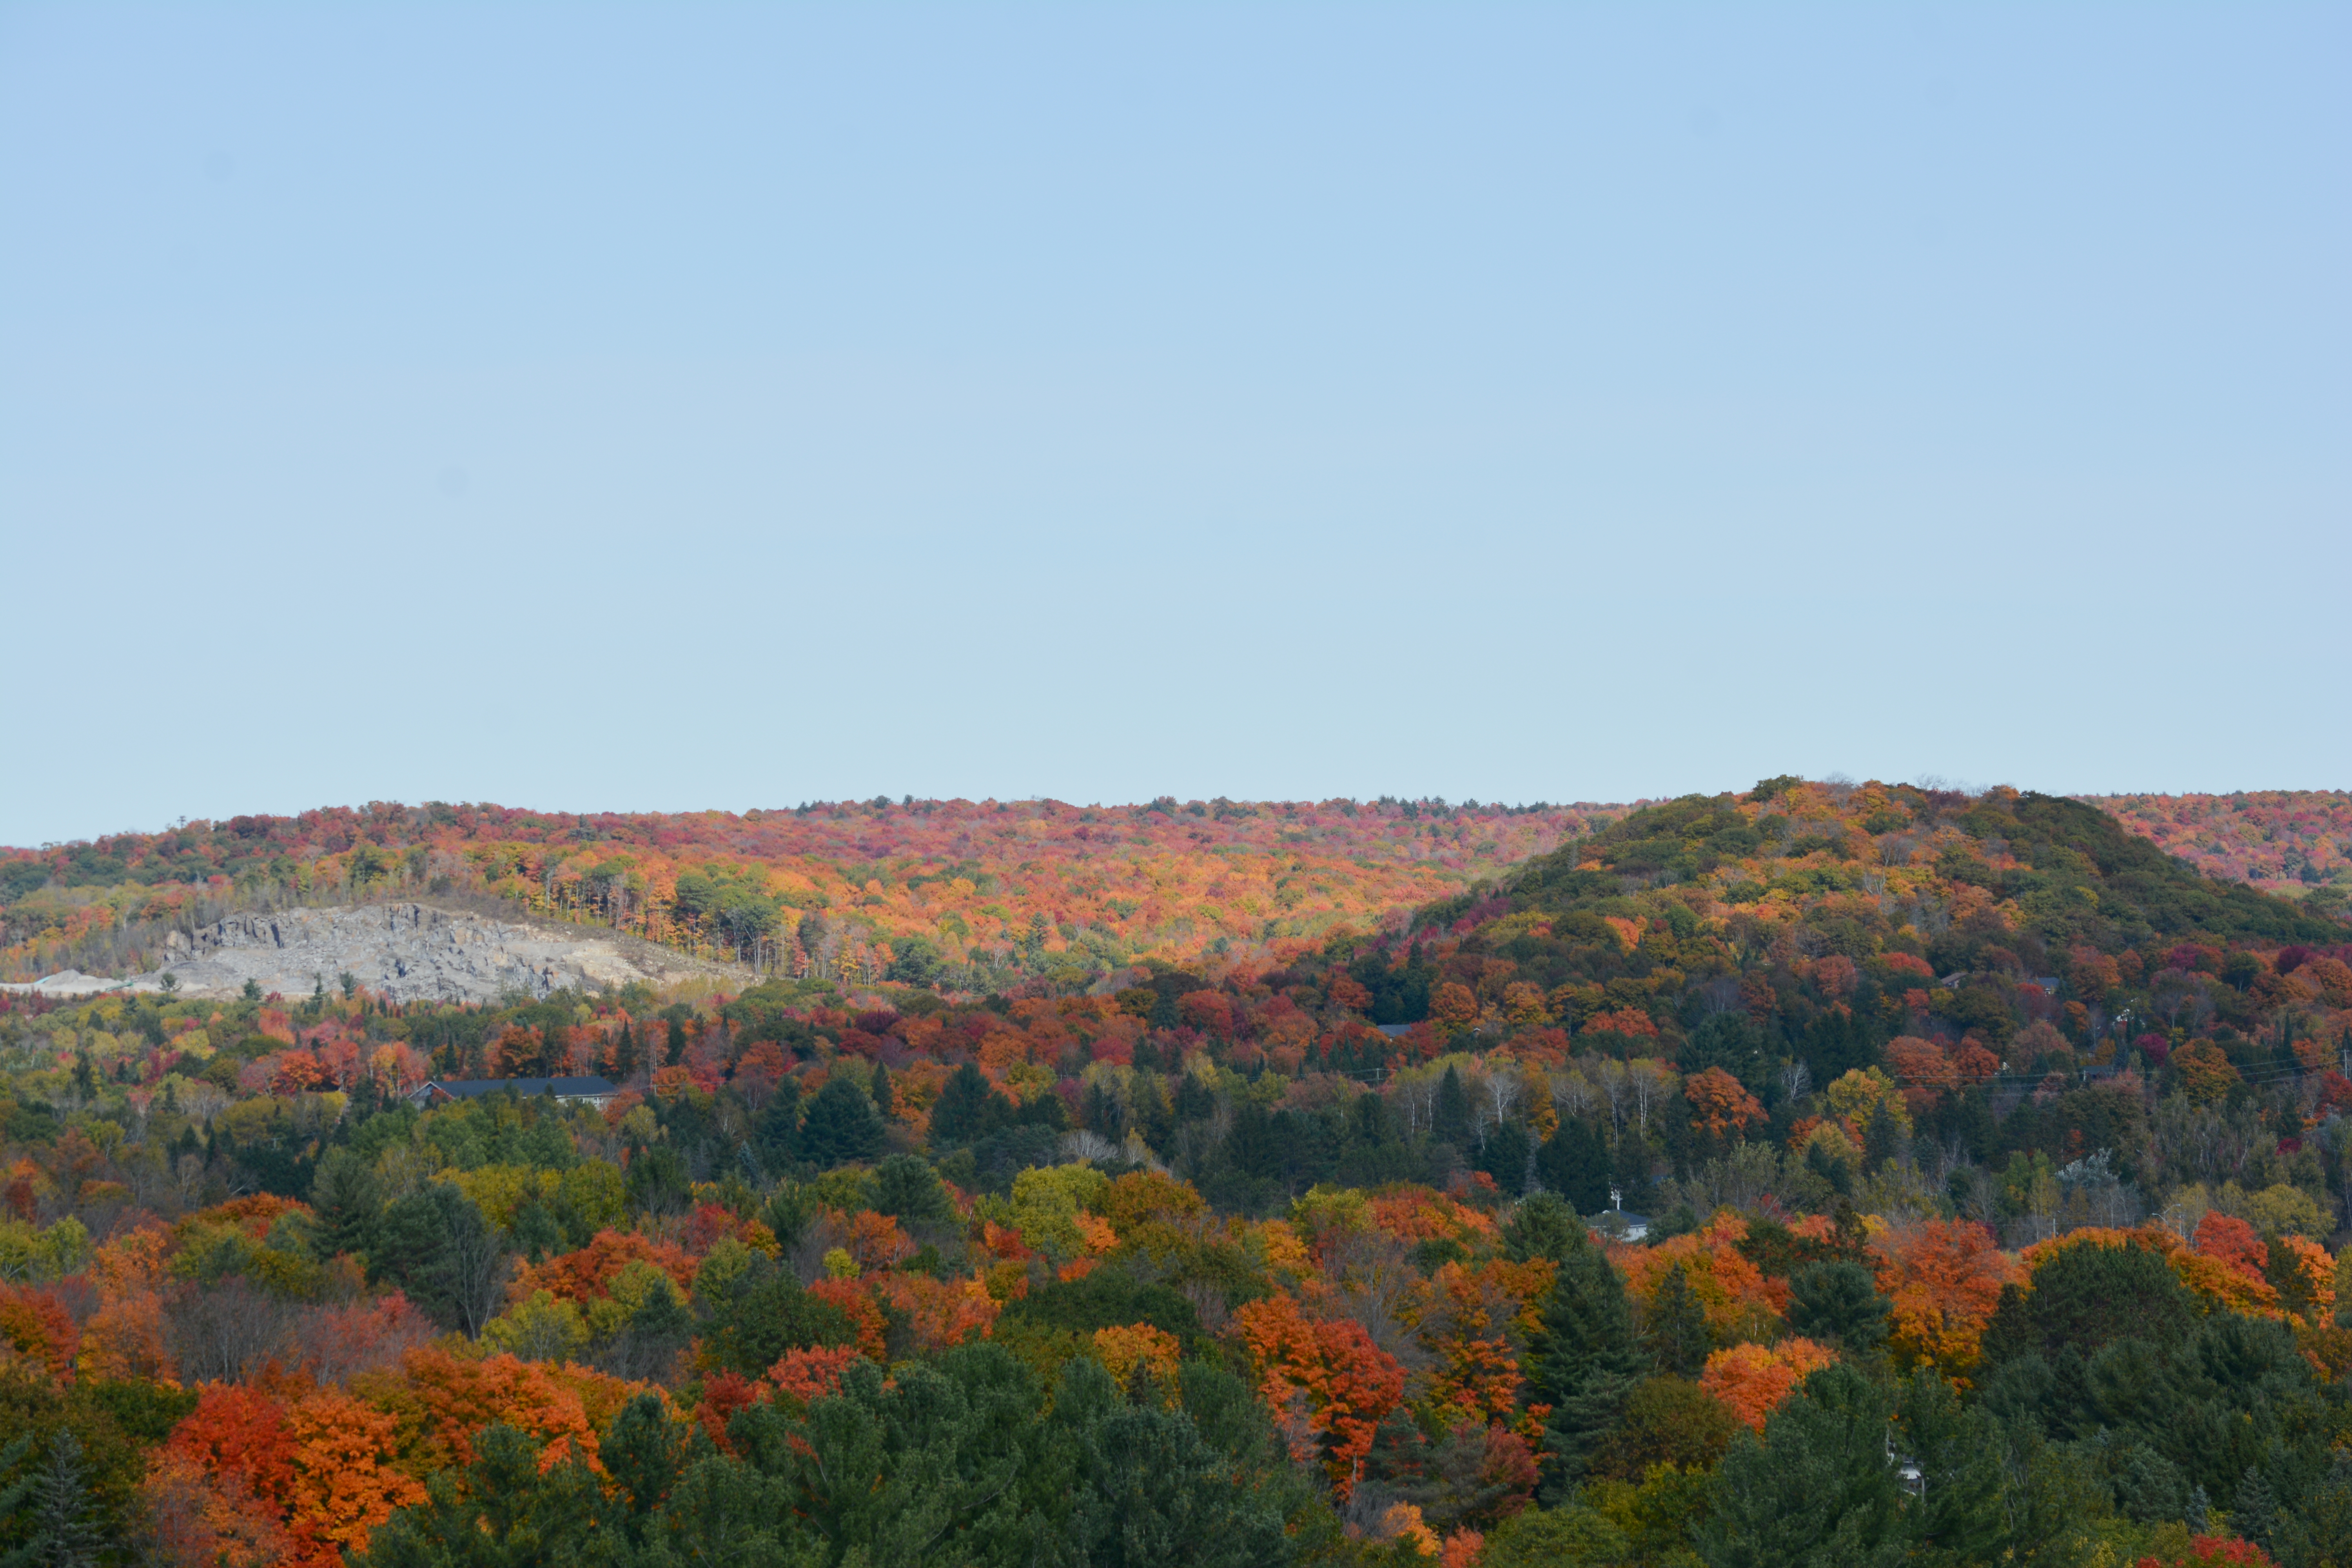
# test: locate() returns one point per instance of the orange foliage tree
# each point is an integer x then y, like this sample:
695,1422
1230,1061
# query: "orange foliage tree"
1720,1107
812,1373
1736,1295
940,1313
587,1275
442,1400
1943,1279
1751,1380
36,1330
1326,1377
344,1484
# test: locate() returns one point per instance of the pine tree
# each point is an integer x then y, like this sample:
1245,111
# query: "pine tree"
880,1093
1817,1490
1541,1225
1960,1514
345,1202
674,1052
840,1126
1629,1166
1150,1112
1587,1359
1102,1114
1838,1302
1678,1335
2257,1516
1574,1163
63,1534
1449,1120
968,1108
1881,1138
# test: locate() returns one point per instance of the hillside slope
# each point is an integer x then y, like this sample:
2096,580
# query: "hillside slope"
1815,922
2299,842
985,893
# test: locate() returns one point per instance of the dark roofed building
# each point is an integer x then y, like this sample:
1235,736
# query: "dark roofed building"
595,1091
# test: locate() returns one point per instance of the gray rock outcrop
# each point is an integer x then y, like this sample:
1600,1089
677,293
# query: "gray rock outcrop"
406,952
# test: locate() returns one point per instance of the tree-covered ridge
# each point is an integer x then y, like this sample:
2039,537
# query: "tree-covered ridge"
2292,840
995,890
1631,1207
1790,846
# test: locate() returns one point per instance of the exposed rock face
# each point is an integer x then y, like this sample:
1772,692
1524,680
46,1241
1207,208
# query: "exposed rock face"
405,951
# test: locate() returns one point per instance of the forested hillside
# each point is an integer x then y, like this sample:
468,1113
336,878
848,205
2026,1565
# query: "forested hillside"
2297,842
981,896
1827,1172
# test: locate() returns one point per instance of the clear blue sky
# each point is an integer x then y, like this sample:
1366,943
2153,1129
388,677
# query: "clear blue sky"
673,406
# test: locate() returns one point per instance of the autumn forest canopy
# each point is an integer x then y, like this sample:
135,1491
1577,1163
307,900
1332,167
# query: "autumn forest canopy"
1823,1172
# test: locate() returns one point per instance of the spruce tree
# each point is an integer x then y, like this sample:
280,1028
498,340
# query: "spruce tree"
1587,1359
1449,1120
1150,1114
1960,1514
1541,1225
880,1093
1574,1163
674,1052
65,1532
1817,1490
2257,1516
967,1109
1882,1138
346,1203
1838,1302
1630,1168
840,1126
1678,1335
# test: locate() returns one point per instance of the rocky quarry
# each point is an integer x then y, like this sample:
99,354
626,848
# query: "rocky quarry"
406,952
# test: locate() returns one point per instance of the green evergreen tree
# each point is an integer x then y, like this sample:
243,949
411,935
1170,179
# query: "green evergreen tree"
1818,1491
656,1181
1506,1155
674,1052
906,1186
1150,1115
840,1126
1542,1225
1449,1120
67,1531
2258,1516
967,1109
1587,1359
346,1203
1960,1514
1574,1163
1629,1169
500,1510
1102,1114
777,1127
1882,1138
643,1451
762,1313
1677,1327
880,1093
1839,1303
1149,1490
